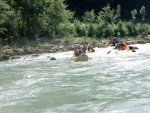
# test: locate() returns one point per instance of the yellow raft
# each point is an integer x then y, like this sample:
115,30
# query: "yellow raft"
90,51
81,57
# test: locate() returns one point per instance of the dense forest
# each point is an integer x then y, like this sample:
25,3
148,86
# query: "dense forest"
22,20
81,6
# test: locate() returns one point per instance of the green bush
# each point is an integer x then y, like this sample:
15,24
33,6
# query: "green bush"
122,28
92,30
109,31
116,30
66,29
132,30
144,29
100,31
81,30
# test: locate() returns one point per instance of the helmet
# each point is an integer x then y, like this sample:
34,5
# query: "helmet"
120,41
77,47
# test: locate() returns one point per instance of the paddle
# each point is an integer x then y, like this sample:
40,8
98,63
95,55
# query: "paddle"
110,51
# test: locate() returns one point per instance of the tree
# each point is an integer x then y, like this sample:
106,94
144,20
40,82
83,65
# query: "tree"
55,14
27,14
5,14
31,11
142,12
117,14
110,15
134,13
89,16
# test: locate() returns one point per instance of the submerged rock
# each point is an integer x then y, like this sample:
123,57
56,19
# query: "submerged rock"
35,55
4,57
53,58
48,56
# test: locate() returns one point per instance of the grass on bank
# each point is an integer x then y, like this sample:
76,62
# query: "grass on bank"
138,38
58,42
72,41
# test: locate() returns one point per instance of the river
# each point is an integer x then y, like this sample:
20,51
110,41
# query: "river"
118,82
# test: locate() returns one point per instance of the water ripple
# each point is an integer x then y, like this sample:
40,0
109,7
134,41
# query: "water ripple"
114,83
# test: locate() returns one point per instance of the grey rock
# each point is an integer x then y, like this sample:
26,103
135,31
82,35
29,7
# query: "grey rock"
53,58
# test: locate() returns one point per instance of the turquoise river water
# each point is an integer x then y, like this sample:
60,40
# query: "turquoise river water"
118,82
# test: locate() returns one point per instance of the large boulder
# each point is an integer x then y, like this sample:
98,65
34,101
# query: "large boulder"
8,52
35,55
53,58
19,51
28,51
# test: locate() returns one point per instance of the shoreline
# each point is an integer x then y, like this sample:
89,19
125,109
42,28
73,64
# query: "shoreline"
15,52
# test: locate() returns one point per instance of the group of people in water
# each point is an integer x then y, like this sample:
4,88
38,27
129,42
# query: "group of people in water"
120,45
116,42
82,49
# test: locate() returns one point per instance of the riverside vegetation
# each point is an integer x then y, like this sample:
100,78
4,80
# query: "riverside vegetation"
33,27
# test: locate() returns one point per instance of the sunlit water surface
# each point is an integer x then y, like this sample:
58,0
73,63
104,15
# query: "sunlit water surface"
118,82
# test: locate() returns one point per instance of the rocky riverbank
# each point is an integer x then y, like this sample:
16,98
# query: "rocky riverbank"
8,52
14,52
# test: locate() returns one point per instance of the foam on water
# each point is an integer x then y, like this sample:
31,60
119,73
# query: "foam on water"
100,53
117,82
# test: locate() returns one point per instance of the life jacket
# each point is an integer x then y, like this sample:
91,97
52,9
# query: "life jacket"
76,53
81,51
84,47
123,45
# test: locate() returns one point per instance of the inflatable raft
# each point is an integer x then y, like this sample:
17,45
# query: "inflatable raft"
81,57
90,51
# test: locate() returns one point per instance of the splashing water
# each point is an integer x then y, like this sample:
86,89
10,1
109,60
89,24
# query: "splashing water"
117,82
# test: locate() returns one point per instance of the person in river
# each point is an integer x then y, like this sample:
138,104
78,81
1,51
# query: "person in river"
84,47
113,42
121,45
90,48
78,51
